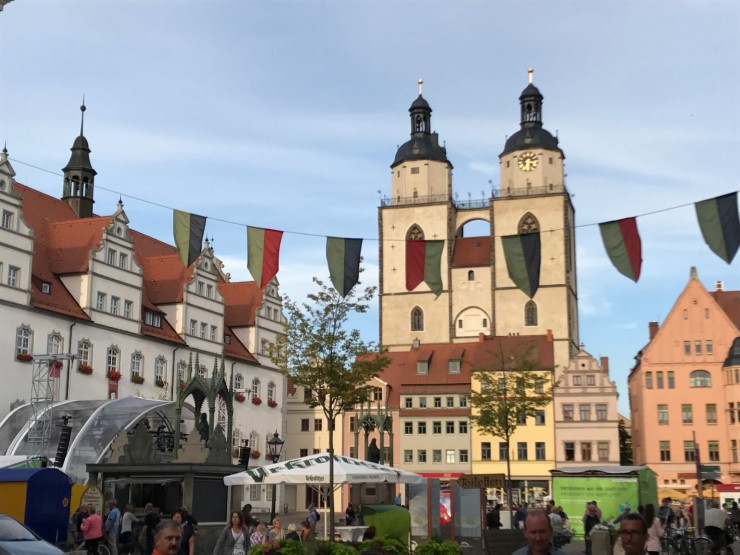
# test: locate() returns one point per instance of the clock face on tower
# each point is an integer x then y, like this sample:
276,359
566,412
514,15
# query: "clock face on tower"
527,161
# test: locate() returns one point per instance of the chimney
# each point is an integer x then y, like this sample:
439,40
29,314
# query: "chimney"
482,337
653,327
605,364
549,336
719,285
415,344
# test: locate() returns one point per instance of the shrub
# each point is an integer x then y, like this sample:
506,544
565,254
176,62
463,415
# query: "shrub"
334,548
383,545
433,547
283,547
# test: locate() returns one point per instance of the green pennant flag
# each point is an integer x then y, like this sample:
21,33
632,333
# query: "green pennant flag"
343,257
720,225
423,263
522,254
188,230
263,254
623,245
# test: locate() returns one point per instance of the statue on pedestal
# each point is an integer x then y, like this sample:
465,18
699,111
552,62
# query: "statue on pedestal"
373,453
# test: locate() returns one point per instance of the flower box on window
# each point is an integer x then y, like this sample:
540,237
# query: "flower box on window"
240,397
24,357
85,369
271,403
137,378
160,382
57,365
113,375
256,401
256,454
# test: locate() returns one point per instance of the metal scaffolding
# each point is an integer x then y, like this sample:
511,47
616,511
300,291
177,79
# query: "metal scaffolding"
45,369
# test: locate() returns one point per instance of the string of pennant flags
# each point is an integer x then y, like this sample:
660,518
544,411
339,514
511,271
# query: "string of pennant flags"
718,220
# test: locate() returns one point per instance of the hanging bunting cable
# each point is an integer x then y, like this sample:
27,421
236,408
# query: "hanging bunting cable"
309,234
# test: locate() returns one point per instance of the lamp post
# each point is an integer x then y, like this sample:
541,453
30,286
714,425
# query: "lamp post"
274,448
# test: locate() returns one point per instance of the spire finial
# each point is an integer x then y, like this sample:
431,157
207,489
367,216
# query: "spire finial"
421,83
82,117
5,149
530,71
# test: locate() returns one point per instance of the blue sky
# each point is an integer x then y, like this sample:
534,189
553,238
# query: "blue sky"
288,114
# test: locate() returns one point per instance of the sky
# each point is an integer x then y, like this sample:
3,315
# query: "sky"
288,114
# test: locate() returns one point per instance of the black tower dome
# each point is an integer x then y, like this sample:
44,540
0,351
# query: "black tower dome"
531,134
424,145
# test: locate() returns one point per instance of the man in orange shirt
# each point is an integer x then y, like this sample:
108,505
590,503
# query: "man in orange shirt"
167,538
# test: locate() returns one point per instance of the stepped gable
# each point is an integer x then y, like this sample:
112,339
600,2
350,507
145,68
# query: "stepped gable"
471,252
241,300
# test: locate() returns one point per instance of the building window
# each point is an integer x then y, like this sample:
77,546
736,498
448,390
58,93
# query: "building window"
23,337
697,347
137,360
304,425
271,389
734,450
450,427
152,319
521,450
665,451
303,453
13,276
123,261
214,333
422,367
539,417
421,428
114,302
539,386
567,412
576,380
436,427
462,427
128,309
408,402
54,343
7,222
585,411
209,291
422,402
687,347
454,366
408,456
256,387
503,451
711,413
603,450
585,451
318,424
464,456
408,428
463,401
421,455
471,275
539,451
238,382
671,380
201,287
193,325
100,302
601,412
687,414
663,415
713,450
689,453
590,379
709,346
112,359
485,451
84,352
203,330
203,371
521,417
417,319
648,380
659,380
160,365
700,378
530,313
570,451
450,456
112,255
437,455
450,402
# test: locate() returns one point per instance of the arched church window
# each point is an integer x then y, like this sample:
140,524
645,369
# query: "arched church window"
415,233
530,314
419,124
471,275
528,224
417,319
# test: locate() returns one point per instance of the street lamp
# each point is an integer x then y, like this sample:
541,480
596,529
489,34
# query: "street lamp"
274,448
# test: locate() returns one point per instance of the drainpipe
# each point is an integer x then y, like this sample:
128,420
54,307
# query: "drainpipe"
174,370
70,362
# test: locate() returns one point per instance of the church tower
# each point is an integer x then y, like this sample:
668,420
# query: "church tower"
533,197
79,175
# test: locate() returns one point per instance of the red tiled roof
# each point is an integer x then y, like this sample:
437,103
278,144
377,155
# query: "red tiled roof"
729,302
236,348
165,278
241,300
166,332
471,252
70,243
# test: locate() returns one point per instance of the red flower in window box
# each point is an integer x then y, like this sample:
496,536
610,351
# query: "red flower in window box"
58,365
256,454
113,375
136,378
239,397
271,403
24,357
256,401
160,382
85,369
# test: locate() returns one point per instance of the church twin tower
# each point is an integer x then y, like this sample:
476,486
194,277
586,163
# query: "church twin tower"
478,296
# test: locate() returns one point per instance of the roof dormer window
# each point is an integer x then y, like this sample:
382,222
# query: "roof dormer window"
46,287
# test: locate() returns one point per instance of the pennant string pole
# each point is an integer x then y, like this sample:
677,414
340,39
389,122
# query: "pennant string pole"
308,234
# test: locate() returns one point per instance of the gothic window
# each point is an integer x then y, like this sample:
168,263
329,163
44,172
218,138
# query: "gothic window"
137,362
415,233
112,358
471,275
417,319
530,314
528,224
238,382
255,388
271,391
23,337
84,352
54,343
182,369
160,365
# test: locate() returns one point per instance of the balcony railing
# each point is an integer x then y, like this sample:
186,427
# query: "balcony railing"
475,204
528,191
400,201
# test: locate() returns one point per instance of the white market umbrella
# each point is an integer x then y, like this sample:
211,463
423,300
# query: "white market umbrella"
314,470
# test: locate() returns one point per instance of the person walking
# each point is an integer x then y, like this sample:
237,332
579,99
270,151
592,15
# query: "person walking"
590,519
151,520
92,530
127,527
306,534
187,539
538,533
258,536
80,514
633,533
276,533
113,526
655,530
313,518
234,539
349,515
292,533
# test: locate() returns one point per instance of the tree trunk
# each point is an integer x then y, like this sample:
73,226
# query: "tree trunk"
330,498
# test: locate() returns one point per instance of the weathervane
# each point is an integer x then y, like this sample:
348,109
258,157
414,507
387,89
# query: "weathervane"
530,71
421,82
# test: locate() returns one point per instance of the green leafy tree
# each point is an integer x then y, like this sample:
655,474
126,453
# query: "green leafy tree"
625,445
333,364
512,388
